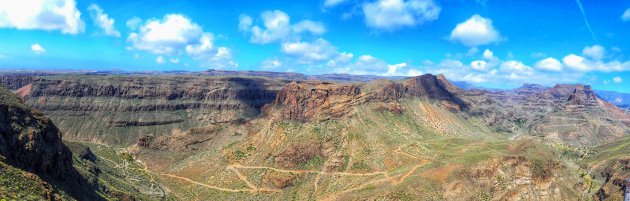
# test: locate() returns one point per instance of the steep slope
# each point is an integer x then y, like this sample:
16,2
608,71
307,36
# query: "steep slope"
35,164
30,140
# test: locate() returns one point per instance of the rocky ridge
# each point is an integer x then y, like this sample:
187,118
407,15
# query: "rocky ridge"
30,140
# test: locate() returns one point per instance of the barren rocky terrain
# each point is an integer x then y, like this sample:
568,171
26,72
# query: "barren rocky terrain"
262,136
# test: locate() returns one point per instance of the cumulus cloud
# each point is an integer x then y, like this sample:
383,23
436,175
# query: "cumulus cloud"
617,79
176,34
103,21
594,52
302,46
58,15
626,15
394,70
37,49
583,64
475,31
517,67
394,14
166,36
277,27
575,62
549,64
310,52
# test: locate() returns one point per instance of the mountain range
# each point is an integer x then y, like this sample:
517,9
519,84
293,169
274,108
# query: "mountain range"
231,135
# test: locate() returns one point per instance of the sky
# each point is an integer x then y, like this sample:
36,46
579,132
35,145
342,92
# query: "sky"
489,43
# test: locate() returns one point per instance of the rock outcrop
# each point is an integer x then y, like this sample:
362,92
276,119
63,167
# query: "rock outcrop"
321,100
17,81
309,99
30,140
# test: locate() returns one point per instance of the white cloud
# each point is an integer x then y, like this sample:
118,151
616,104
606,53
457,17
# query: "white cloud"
219,59
204,45
174,60
626,15
414,72
475,31
488,55
37,49
331,3
472,51
160,60
308,26
582,64
60,15
617,79
394,14
271,64
539,55
575,62
166,36
175,34
134,23
245,22
308,53
549,64
596,52
103,21
341,59
515,67
394,70
277,27
363,65
479,65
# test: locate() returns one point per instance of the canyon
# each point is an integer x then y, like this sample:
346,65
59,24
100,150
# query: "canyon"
279,136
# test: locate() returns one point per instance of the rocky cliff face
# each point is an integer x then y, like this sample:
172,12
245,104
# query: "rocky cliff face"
30,140
16,81
308,100
120,109
320,100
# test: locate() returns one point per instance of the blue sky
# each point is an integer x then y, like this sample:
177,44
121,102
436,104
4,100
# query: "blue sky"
490,43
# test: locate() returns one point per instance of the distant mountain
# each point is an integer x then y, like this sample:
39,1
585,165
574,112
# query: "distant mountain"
617,98
464,85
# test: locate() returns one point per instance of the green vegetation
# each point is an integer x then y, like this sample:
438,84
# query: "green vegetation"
16,184
126,156
239,154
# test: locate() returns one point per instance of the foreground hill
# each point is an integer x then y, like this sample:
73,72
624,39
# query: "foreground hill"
227,138
35,164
